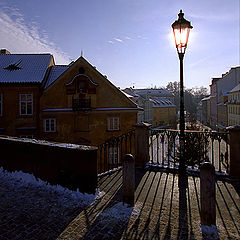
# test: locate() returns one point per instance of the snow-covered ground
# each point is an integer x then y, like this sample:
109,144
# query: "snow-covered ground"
32,209
21,180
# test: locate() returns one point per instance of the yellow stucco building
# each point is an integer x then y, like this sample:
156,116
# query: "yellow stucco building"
157,105
164,112
71,103
234,106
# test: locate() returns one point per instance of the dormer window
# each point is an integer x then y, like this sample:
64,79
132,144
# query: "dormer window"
14,66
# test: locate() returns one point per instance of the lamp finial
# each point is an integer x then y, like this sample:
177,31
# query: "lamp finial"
181,14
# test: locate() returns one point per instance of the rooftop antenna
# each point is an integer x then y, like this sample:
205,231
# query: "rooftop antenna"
81,53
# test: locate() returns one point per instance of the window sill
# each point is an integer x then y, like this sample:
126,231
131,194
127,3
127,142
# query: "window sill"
113,130
82,130
26,116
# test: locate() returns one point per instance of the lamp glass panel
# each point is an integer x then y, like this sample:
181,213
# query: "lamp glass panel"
181,36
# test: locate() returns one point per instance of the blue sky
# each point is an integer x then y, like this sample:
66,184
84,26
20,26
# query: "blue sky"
127,40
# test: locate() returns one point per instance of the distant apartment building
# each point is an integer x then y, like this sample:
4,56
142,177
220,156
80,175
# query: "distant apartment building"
206,111
222,110
228,81
233,107
213,103
154,93
157,105
219,88
71,103
164,112
145,113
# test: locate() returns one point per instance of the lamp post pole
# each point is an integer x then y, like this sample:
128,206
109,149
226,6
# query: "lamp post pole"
182,167
181,28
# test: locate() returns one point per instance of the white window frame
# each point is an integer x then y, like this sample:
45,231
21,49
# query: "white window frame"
113,123
1,104
25,102
48,127
113,155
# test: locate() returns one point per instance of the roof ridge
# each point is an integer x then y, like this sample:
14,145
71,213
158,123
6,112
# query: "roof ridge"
60,65
26,54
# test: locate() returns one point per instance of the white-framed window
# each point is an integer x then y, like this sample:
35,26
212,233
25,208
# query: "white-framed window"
113,155
1,104
26,103
50,125
113,123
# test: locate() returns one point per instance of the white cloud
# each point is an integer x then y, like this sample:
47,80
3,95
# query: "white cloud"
118,39
18,37
142,37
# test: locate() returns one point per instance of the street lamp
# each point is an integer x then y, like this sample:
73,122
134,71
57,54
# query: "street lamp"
181,28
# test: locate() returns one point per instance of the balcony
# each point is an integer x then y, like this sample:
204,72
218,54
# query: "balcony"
80,104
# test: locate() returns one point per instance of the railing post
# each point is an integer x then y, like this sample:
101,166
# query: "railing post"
207,194
128,179
142,144
234,161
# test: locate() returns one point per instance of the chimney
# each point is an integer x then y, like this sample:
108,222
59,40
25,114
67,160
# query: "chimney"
4,51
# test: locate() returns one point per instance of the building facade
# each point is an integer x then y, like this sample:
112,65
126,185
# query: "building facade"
213,103
157,106
233,107
222,110
71,103
164,113
206,111
21,78
219,86
228,81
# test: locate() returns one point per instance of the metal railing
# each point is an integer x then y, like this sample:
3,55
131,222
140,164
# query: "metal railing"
200,146
112,151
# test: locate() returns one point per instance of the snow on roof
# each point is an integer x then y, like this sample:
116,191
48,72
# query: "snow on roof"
153,92
48,143
23,67
128,95
55,72
236,89
161,102
130,91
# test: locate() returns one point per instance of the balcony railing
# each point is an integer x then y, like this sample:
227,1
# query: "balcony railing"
112,151
79,104
164,152
199,147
